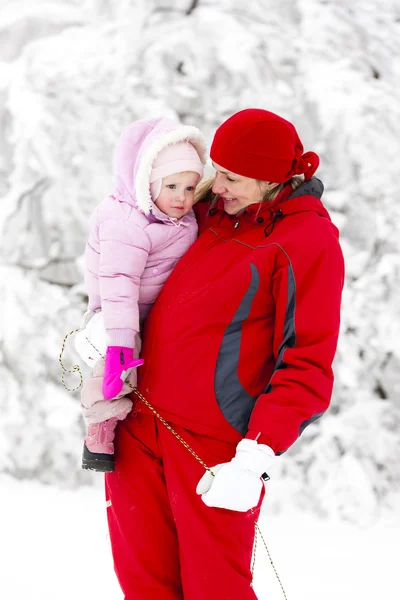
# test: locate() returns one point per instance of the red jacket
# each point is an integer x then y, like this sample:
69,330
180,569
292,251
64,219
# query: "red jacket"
242,337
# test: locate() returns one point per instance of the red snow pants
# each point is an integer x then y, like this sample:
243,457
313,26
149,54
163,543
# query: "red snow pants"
166,543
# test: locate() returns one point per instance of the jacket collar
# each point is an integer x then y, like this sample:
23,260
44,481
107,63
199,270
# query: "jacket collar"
306,198
157,215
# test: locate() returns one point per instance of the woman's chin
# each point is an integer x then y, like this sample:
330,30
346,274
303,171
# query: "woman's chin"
231,207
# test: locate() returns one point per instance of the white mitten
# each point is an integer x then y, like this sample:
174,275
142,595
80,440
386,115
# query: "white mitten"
91,342
237,485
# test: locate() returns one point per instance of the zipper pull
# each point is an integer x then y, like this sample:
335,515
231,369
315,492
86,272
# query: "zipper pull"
236,225
121,357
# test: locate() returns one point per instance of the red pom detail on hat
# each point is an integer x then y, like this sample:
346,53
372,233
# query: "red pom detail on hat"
260,144
307,165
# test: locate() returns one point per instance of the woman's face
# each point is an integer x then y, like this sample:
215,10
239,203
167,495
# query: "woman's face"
237,191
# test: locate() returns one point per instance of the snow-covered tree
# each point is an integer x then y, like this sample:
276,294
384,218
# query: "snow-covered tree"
74,74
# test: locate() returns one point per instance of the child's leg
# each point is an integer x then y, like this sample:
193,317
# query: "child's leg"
95,408
98,447
101,417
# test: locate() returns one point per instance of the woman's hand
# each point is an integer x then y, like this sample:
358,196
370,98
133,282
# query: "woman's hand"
237,485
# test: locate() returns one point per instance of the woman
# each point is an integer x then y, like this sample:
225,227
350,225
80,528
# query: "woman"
237,355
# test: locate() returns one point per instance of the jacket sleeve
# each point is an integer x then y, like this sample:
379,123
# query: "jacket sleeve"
307,290
124,249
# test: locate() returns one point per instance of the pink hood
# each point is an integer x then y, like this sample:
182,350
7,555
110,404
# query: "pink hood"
136,151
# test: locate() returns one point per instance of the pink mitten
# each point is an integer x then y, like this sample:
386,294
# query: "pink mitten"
119,363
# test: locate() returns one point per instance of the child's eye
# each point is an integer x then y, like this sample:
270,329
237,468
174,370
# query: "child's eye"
190,188
229,179
171,186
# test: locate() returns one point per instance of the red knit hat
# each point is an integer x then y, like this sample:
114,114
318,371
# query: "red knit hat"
259,144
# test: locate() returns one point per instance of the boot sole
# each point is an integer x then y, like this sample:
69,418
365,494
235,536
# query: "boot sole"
92,461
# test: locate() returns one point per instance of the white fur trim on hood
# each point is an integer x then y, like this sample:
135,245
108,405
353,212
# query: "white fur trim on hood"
187,133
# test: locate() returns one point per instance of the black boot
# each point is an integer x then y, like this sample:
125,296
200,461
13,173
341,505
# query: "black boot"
93,461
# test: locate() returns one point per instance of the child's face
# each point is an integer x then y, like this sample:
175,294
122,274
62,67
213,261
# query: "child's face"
177,194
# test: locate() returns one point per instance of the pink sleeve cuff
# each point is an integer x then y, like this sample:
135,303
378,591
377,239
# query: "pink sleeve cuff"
121,337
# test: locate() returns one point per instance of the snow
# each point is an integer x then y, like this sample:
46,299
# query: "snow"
73,75
54,543
55,546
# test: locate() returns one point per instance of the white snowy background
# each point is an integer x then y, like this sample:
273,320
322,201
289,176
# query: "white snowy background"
73,74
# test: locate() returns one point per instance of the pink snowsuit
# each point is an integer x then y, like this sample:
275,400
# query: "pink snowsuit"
133,246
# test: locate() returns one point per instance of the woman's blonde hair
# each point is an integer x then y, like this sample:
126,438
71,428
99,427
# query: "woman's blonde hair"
204,191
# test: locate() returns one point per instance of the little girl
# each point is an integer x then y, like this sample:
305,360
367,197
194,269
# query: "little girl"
137,235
